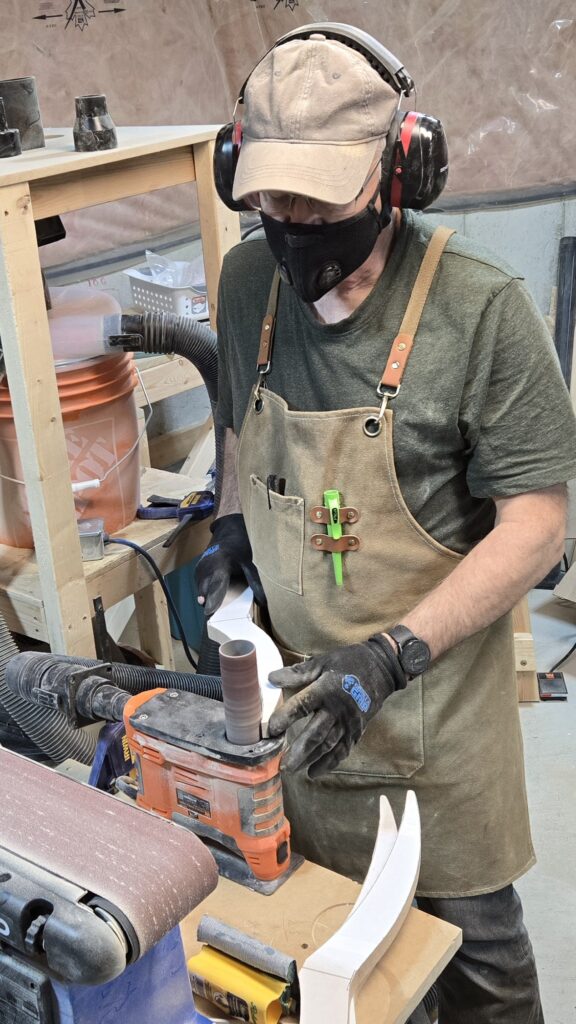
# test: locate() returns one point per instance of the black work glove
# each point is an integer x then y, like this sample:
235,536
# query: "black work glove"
229,556
342,691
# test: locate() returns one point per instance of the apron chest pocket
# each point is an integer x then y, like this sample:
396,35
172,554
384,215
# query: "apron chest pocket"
277,535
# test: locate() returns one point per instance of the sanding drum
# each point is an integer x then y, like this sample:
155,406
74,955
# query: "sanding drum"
241,692
110,879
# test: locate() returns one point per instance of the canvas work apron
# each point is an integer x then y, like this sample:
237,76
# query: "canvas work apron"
453,735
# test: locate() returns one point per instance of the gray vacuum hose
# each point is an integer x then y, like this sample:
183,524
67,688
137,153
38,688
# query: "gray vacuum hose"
168,334
48,729
29,672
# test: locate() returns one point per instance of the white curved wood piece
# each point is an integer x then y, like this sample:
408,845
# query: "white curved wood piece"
331,977
385,840
233,621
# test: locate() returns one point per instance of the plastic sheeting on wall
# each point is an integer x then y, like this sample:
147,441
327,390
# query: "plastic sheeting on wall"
502,78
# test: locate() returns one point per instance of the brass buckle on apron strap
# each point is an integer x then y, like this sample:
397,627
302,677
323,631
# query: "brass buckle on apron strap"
373,424
401,348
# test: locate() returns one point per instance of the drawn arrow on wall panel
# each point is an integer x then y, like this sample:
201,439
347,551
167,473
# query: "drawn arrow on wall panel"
43,17
113,10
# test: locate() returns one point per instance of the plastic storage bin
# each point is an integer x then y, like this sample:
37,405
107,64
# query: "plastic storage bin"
152,297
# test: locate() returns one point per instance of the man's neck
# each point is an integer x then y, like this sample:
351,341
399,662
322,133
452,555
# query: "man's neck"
341,301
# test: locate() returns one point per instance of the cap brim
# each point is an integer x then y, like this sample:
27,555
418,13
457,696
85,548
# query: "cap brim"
330,173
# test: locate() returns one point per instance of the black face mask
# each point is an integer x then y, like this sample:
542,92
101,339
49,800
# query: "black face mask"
314,258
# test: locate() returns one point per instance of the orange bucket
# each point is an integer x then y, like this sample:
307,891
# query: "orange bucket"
101,428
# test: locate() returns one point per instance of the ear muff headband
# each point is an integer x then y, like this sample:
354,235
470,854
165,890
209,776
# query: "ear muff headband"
380,59
416,156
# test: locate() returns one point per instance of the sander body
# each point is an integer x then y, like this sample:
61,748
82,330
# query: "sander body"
230,795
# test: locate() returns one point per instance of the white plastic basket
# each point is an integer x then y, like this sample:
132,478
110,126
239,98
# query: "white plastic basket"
152,297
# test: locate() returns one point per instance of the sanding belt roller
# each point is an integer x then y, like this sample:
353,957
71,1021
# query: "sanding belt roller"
89,884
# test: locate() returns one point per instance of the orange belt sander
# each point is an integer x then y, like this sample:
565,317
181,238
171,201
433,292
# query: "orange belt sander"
228,794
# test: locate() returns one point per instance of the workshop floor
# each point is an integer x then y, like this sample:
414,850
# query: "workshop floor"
549,890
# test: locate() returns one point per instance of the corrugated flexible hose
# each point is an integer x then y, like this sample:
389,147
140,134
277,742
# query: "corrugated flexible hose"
22,676
168,334
49,730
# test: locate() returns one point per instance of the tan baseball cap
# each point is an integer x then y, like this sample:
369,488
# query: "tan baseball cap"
315,115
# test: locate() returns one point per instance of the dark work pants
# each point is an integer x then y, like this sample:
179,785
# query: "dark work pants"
492,978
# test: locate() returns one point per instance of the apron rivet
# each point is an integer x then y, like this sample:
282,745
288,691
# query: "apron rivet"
318,541
350,515
351,543
395,366
318,515
401,346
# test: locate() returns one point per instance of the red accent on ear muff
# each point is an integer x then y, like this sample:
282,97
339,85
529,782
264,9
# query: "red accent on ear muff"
406,130
400,154
237,134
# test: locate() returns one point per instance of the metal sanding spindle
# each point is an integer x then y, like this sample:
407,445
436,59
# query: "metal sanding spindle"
241,692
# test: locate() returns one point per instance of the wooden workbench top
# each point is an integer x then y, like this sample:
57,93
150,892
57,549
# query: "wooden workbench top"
59,156
308,909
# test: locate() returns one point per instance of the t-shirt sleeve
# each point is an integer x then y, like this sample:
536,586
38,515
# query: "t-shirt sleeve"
519,421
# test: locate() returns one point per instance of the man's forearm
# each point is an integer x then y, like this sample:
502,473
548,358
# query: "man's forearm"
229,496
527,540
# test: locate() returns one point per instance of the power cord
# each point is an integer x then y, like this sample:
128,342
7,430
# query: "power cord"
148,557
573,648
563,658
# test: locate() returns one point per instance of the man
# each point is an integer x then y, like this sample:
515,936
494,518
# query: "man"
450,470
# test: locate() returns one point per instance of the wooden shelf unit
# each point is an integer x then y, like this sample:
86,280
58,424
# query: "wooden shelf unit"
48,593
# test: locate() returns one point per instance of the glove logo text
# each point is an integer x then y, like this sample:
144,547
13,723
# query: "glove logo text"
353,686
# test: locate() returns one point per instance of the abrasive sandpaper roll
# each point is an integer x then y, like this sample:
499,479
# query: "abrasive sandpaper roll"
250,951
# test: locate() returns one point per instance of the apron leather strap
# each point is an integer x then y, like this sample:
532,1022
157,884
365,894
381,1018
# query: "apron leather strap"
402,344
269,326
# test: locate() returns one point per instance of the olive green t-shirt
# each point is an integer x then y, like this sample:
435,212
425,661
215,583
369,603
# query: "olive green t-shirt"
483,410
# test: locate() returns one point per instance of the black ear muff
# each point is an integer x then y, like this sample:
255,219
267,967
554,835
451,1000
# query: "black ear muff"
226,153
419,166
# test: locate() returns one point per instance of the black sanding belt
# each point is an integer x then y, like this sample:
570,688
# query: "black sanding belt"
153,871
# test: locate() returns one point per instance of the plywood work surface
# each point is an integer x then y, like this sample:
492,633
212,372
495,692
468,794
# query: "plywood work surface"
308,909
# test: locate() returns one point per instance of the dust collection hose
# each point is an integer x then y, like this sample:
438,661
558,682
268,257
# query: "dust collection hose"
49,730
168,334
44,678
